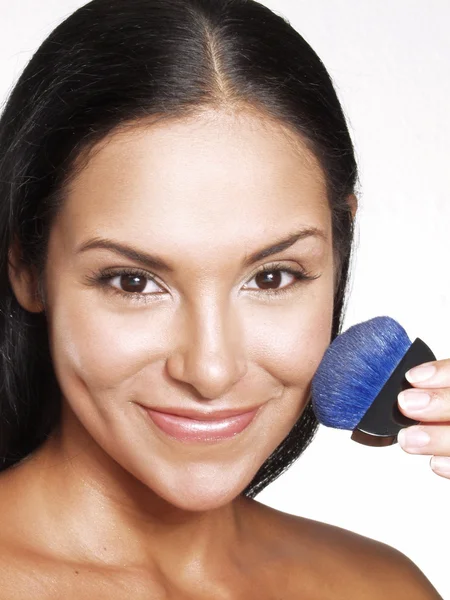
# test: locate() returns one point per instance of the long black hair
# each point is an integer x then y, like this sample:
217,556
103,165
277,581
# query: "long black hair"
116,63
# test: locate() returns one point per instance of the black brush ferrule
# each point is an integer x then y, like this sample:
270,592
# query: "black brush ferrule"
383,420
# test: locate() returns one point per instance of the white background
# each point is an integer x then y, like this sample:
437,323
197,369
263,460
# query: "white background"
390,62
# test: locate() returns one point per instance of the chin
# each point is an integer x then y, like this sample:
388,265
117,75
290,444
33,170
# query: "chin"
198,487
201,498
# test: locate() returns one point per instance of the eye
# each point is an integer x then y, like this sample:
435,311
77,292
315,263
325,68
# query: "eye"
271,276
134,283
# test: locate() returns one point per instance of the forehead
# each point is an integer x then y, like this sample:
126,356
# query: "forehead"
237,174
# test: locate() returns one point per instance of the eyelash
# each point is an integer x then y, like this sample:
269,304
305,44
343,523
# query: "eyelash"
103,277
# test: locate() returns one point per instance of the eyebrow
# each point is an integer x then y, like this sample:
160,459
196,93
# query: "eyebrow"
153,261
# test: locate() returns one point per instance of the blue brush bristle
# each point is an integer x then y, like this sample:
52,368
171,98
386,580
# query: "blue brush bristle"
354,369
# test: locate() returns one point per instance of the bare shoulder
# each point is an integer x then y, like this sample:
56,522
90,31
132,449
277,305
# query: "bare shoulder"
331,563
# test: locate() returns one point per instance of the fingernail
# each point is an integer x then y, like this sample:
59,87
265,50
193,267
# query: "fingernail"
441,464
413,399
420,373
411,438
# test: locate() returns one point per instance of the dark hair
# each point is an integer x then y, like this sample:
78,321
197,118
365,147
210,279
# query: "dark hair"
113,64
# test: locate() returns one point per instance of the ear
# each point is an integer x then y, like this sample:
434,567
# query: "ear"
352,201
24,280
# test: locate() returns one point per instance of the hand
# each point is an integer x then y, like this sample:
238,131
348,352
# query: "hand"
432,435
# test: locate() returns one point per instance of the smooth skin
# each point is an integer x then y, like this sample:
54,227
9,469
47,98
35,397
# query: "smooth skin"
111,507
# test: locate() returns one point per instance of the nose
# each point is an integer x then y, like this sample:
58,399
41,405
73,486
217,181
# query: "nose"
209,352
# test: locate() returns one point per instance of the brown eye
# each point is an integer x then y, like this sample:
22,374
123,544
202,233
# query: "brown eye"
133,283
268,279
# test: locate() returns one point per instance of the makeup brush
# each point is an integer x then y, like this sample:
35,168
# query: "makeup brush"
360,376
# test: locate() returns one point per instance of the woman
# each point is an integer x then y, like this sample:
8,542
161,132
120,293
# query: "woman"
178,195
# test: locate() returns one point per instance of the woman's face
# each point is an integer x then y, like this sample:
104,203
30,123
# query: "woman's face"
210,331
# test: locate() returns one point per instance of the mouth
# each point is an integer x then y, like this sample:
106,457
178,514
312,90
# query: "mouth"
211,427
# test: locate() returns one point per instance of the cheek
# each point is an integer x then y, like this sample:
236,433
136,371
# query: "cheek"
293,337
105,348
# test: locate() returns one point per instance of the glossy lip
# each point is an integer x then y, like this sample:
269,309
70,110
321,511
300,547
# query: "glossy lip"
216,415
205,427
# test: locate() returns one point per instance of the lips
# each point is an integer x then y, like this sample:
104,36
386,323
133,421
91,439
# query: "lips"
217,415
192,426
